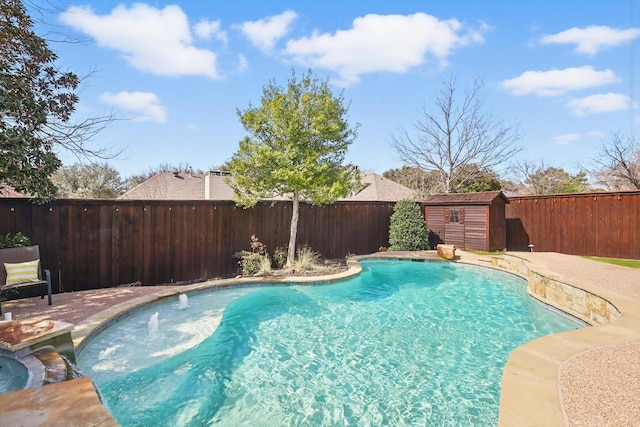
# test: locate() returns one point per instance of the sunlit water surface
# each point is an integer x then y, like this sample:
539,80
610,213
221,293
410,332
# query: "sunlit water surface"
403,343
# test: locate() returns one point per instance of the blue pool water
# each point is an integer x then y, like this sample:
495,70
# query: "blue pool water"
13,375
403,343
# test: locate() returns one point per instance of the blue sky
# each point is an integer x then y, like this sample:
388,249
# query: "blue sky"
566,72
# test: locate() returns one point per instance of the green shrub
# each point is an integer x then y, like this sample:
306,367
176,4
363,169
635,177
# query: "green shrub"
280,256
251,262
407,230
16,240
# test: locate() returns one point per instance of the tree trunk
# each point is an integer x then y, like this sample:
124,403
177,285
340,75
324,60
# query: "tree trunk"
291,253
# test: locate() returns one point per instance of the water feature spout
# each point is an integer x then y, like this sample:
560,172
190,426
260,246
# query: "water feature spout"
153,323
184,301
72,369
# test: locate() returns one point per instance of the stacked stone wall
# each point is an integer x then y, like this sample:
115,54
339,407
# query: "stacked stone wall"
571,299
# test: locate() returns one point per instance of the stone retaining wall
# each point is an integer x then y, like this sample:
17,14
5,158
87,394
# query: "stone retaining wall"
578,302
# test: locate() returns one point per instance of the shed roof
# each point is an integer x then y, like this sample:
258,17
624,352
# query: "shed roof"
483,198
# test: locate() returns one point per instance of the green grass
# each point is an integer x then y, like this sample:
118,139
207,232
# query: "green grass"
632,263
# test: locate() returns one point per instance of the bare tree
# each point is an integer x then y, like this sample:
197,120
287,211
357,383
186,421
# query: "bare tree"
460,132
617,166
417,179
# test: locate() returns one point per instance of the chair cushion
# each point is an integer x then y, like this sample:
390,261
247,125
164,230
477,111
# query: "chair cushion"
22,272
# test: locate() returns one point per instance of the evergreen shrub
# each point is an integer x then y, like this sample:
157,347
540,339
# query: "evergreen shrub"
407,230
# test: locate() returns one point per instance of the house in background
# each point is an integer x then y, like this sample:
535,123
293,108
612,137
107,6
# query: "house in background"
212,186
182,186
10,192
471,221
376,188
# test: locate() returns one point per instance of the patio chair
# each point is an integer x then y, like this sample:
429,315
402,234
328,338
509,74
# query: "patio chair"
21,268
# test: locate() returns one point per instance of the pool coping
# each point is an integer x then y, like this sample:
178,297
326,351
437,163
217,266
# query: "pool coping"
530,393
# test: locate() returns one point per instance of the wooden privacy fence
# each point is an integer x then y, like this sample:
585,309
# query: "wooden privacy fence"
89,244
595,224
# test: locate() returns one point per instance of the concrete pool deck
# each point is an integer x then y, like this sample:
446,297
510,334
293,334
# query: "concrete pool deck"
586,377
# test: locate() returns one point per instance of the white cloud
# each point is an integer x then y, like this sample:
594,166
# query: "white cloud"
600,103
264,33
596,134
208,30
558,82
392,43
153,40
146,105
243,64
567,138
591,39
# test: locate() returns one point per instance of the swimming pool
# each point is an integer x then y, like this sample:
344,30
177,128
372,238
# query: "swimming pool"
13,375
403,343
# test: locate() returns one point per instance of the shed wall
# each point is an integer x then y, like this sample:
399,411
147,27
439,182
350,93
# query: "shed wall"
475,228
454,231
470,233
497,228
434,216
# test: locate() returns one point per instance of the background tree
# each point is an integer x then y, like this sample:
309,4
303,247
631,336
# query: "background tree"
508,185
92,181
425,183
36,104
617,166
407,228
538,178
297,141
459,133
476,179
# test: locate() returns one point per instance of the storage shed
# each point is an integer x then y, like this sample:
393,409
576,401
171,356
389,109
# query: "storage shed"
472,221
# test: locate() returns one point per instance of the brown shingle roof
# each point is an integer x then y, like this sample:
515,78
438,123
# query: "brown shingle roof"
168,186
182,186
483,198
172,186
10,192
379,189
